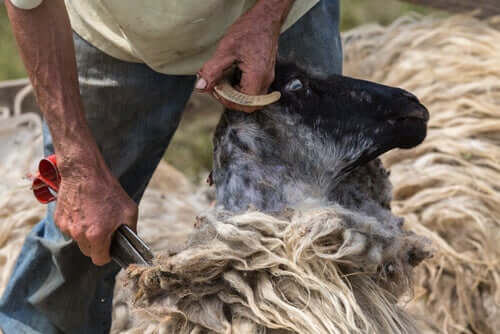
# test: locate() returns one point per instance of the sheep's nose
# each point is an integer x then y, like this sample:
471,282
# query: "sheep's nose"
412,107
408,107
419,112
409,96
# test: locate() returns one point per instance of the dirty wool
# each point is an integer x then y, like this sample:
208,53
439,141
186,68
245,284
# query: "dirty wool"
20,146
326,268
448,188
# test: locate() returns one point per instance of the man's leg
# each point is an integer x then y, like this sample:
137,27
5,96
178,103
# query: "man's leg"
313,42
133,113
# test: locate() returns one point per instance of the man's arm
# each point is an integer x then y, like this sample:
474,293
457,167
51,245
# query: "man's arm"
91,203
251,43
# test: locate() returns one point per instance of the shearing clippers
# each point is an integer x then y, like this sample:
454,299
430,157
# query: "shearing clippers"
126,247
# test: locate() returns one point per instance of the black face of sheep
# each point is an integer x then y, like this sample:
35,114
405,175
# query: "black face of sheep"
302,146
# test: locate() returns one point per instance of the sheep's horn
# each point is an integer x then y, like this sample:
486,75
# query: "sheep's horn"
231,94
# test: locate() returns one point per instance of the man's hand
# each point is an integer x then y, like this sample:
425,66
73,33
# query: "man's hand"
91,205
251,43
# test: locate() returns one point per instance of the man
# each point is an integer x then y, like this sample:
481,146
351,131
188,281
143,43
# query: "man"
112,95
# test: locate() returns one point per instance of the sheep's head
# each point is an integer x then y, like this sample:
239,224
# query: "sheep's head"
363,117
317,133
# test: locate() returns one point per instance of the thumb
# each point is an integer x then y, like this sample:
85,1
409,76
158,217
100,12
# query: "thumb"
212,71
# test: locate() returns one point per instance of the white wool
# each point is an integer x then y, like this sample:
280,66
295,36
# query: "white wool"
20,147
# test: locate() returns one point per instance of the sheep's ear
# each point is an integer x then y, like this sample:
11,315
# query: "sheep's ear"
231,94
294,85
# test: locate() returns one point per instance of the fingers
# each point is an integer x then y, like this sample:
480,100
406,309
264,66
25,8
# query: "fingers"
74,231
92,243
212,71
256,82
252,83
98,238
100,242
77,233
131,215
90,217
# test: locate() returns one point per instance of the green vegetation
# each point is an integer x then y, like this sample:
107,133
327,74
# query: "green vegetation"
191,149
356,12
11,66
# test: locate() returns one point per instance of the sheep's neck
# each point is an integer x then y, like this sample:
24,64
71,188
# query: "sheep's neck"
249,174
259,162
267,188
366,189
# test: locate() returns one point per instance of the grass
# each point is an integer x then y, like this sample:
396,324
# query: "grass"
356,12
191,149
11,66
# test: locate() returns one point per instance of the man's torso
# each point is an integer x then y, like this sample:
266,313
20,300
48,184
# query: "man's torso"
170,36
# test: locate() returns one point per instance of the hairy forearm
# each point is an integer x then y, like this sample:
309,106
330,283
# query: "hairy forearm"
44,37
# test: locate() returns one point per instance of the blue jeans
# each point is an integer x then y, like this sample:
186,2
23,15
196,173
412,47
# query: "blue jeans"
133,113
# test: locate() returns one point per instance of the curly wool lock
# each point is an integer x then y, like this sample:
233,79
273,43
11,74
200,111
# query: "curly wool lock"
452,196
325,270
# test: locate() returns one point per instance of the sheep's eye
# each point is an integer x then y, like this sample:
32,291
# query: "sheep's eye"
294,85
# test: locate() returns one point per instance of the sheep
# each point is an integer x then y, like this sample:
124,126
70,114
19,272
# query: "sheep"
302,147
302,238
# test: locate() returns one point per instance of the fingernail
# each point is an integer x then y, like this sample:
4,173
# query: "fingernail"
201,84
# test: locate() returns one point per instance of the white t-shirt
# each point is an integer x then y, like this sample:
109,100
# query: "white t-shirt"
170,36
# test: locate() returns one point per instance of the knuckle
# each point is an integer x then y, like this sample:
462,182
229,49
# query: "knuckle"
204,72
64,231
209,75
62,225
95,235
209,69
76,231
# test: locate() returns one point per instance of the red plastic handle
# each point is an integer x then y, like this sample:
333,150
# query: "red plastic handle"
46,181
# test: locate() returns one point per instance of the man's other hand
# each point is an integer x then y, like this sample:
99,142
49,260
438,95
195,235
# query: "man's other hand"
251,44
